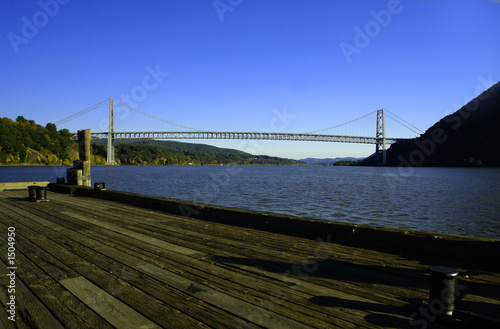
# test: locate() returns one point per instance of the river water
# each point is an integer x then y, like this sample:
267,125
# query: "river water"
450,200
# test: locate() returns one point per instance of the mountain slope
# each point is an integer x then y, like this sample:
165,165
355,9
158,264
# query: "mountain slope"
177,146
24,141
468,137
171,152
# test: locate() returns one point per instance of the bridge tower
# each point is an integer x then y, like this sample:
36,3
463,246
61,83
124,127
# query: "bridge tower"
111,131
380,146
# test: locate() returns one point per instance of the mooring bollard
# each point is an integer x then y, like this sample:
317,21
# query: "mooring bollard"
41,193
32,192
100,186
442,290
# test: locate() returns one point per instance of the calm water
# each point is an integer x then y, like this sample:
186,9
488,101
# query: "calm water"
459,201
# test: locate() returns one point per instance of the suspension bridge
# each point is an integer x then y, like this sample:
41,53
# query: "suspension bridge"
379,140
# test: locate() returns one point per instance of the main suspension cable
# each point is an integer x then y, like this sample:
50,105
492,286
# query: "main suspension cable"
343,124
156,118
82,112
390,116
420,131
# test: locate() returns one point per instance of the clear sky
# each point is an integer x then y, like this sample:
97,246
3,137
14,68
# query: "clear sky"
248,65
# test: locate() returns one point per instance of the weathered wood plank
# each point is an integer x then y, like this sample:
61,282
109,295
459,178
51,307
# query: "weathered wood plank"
232,283
299,246
350,289
128,253
383,265
161,312
142,237
115,252
69,310
30,311
20,185
115,285
275,289
231,304
112,310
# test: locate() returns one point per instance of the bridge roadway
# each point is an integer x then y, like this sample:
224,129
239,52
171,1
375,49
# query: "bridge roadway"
242,135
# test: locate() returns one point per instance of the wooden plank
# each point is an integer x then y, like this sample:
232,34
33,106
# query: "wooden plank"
167,306
142,237
30,311
345,287
21,185
257,254
114,253
231,304
352,286
119,246
225,242
264,257
68,309
111,309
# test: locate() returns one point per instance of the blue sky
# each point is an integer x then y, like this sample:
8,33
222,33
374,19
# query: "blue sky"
242,65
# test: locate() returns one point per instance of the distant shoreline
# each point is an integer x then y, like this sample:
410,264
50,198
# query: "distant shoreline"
238,164
152,164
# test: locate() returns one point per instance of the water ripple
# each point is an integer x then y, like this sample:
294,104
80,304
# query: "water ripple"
449,200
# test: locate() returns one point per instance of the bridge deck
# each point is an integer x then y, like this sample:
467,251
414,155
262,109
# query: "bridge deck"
90,263
243,135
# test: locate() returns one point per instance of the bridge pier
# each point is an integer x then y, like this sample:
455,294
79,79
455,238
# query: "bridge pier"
111,130
380,146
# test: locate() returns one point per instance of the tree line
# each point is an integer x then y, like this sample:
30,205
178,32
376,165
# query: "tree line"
131,154
24,142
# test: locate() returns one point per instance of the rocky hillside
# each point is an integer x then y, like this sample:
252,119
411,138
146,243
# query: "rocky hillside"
468,137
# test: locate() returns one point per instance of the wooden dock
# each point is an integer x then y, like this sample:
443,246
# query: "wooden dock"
83,262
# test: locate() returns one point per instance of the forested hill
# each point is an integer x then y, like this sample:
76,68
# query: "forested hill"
24,142
470,137
171,152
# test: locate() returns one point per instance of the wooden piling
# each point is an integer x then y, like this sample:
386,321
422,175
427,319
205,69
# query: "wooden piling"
80,173
84,144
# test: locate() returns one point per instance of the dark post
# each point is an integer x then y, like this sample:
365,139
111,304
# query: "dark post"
80,173
100,186
41,193
32,192
442,290
84,152
84,144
